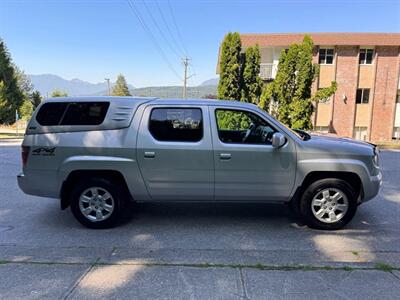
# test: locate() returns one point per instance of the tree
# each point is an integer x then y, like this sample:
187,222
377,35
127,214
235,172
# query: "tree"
11,96
291,89
36,98
252,84
121,87
26,110
57,93
229,80
24,82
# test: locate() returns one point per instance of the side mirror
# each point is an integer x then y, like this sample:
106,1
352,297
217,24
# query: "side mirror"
278,140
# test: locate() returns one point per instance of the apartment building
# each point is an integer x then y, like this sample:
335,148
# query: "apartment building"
366,67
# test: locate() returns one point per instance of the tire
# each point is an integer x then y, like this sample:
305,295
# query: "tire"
101,199
328,204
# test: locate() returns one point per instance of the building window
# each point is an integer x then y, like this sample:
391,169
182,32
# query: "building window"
362,96
366,56
396,133
176,124
360,133
398,97
321,129
326,56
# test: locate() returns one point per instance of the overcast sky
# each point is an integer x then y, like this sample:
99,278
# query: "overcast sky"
94,39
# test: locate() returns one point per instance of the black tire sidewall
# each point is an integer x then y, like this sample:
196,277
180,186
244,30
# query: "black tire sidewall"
314,189
108,185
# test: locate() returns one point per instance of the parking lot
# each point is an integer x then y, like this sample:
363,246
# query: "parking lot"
198,251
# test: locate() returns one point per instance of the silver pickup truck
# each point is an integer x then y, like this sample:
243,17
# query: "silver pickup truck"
98,153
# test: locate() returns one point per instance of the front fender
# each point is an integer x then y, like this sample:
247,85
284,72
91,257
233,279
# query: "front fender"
306,166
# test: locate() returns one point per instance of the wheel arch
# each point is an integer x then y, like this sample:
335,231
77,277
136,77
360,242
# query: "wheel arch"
77,175
350,177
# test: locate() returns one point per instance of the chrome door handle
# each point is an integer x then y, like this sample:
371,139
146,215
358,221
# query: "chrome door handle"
225,156
149,154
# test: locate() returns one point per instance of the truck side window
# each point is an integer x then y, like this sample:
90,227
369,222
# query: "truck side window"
50,114
242,127
72,113
176,124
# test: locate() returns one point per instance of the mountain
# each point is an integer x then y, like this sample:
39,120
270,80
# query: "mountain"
47,83
175,91
213,81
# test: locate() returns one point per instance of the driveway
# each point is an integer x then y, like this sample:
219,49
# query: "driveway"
197,251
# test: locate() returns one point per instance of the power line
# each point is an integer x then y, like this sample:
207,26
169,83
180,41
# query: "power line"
177,28
169,29
160,31
152,37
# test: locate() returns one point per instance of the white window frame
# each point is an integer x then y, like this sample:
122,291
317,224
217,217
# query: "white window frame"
366,48
362,95
326,50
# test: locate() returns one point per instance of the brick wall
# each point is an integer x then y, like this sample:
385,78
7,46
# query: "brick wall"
346,78
386,80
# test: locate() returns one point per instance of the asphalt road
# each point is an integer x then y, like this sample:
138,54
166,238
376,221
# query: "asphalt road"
197,251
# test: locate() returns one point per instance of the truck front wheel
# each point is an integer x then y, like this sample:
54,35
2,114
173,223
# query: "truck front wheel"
328,204
96,202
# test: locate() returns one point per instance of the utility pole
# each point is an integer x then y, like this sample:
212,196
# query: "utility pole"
108,85
185,77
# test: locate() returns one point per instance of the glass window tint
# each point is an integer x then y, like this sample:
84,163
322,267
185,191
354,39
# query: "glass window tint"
72,113
370,53
321,56
176,124
85,113
365,98
50,114
358,96
242,127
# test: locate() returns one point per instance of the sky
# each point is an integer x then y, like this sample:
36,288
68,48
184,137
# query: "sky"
96,39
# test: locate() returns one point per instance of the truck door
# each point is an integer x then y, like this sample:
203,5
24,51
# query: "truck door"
174,152
247,167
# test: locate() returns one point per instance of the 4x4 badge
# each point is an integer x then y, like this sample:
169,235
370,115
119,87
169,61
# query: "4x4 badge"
44,151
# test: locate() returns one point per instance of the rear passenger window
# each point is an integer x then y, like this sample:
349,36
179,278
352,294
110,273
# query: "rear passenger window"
85,113
176,124
50,114
72,113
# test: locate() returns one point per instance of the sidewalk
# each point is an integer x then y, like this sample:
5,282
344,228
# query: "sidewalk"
138,281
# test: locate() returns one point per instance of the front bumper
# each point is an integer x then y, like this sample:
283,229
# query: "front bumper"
372,188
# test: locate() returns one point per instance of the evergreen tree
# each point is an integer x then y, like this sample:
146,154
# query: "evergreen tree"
36,98
11,96
301,107
57,93
121,87
291,89
285,82
230,70
26,110
251,81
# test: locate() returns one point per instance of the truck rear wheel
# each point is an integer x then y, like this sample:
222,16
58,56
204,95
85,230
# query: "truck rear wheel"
328,204
97,202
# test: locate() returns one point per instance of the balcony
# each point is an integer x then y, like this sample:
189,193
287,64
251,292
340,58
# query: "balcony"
267,71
